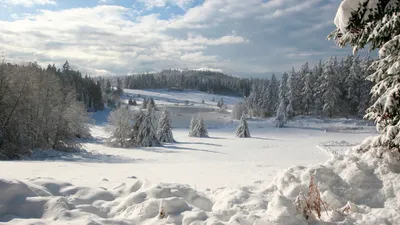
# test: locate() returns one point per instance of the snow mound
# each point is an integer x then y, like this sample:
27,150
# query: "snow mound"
368,187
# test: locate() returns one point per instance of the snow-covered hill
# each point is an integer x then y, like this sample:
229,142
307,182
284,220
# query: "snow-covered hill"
226,180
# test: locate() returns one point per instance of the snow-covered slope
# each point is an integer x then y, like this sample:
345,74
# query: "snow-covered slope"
227,180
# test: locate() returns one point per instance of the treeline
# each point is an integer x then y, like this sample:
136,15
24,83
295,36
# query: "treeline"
331,88
205,81
44,108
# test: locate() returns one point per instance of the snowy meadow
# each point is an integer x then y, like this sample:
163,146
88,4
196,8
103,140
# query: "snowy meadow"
177,147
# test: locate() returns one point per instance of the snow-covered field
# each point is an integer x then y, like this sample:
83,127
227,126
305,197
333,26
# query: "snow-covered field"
216,180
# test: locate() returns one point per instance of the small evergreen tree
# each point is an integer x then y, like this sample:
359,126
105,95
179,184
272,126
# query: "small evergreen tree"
200,130
130,101
144,103
242,131
151,103
164,130
281,116
134,102
146,136
193,123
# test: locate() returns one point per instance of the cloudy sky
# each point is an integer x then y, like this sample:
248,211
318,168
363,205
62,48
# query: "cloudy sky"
116,37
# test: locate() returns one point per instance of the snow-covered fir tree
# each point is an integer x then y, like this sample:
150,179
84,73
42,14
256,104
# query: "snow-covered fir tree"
353,87
144,103
291,94
318,91
146,135
151,103
376,23
272,96
164,129
242,131
193,123
308,92
200,129
281,115
331,92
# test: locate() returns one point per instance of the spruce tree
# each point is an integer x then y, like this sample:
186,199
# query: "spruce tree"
164,129
242,131
144,103
146,136
281,116
200,129
193,123
331,91
377,25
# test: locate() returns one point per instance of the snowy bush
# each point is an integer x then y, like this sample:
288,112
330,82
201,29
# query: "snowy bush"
238,111
120,127
242,131
200,129
164,129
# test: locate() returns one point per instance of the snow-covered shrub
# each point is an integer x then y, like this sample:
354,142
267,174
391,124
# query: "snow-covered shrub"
164,129
200,129
376,23
242,131
238,111
120,126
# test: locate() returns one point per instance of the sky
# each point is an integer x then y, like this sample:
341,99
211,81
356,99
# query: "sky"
248,38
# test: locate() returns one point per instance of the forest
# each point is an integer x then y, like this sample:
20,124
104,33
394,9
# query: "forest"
331,88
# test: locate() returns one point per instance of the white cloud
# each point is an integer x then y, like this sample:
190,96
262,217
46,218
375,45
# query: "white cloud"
149,4
28,3
104,39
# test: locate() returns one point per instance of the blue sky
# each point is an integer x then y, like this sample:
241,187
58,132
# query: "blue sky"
116,37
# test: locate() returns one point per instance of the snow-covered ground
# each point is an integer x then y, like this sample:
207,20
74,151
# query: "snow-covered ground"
226,180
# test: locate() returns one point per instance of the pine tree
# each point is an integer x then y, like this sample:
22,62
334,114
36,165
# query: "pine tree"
146,136
272,96
308,93
200,129
331,91
193,123
164,129
377,25
242,131
144,103
151,103
353,83
291,94
318,88
281,116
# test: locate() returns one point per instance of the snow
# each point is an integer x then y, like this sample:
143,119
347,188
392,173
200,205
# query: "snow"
347,7
216,180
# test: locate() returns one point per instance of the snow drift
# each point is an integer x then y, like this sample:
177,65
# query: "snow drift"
368,187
